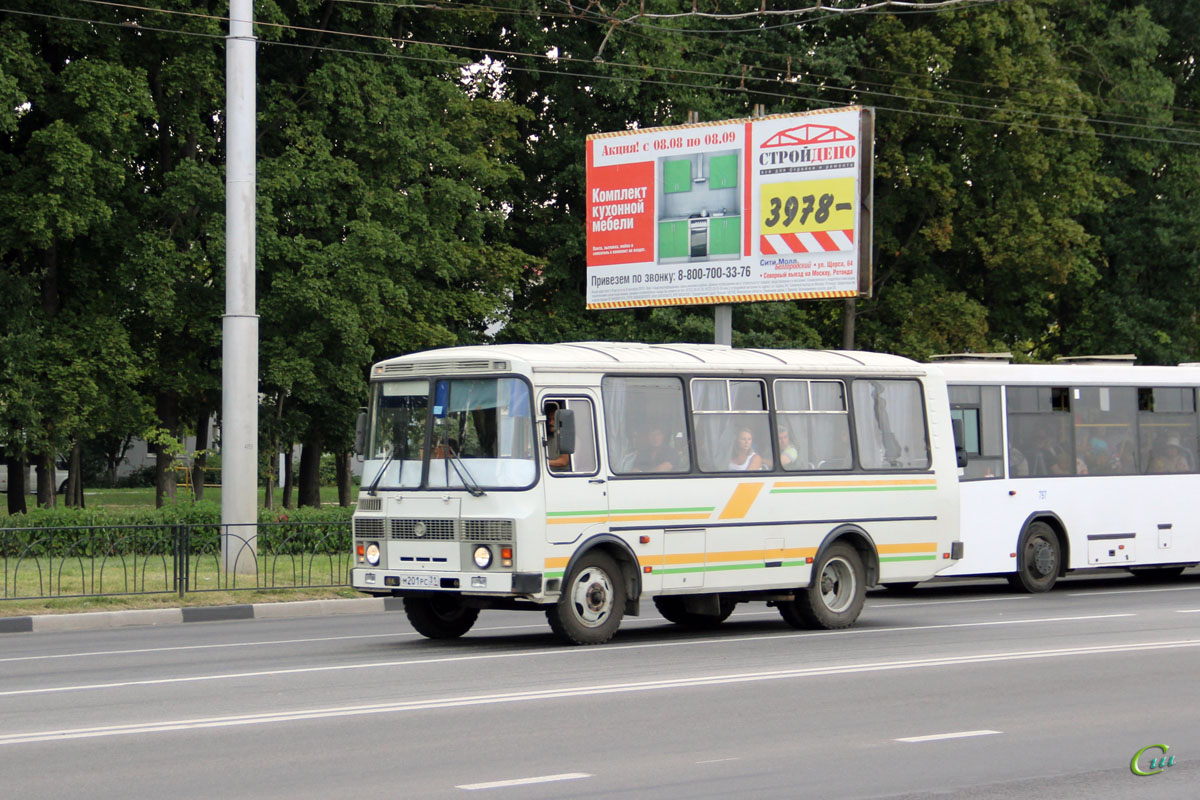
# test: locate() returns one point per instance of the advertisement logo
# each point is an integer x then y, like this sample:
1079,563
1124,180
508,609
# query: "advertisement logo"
1156,764
802,135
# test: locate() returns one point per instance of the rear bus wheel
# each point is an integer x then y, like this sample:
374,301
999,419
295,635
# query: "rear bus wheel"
835,597
1038,559
592,603
440,617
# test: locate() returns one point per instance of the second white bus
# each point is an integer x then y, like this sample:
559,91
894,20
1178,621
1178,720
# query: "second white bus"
1076,467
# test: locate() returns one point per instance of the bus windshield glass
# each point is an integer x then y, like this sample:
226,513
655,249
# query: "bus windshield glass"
482,434
397,435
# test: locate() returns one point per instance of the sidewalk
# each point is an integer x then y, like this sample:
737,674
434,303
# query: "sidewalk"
94,620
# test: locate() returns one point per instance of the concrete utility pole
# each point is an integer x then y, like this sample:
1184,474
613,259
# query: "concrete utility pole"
239,370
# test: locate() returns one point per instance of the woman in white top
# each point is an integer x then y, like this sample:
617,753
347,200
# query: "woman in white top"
743,457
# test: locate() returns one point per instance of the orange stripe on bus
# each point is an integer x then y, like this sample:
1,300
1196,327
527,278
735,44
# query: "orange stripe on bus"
743,497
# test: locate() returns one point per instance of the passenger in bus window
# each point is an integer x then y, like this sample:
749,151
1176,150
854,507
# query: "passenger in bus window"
744,457
1018,465
787,451
652,453
1098,458
1171,458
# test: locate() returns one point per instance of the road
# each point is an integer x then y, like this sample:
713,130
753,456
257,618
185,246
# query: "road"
962,689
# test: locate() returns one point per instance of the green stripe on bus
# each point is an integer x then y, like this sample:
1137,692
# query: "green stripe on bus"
857,489
908,558
725,567
555,573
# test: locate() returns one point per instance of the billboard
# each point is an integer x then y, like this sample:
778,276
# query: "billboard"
768,208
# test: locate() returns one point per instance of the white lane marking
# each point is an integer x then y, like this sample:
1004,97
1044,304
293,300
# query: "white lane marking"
719,760
581,691
1135,591
566,776
933,737
556,651
269,642
950,602
1187,611
219,645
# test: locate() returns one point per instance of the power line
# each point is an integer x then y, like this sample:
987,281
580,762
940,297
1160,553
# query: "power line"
944,5
457,64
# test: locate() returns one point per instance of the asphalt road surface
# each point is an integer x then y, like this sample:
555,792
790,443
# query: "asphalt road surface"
963,689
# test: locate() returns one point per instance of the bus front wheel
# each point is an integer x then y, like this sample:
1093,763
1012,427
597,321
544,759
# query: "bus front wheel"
592,603
1038,559
439,617
835,597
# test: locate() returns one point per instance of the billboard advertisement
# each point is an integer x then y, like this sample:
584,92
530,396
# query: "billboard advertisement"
768,208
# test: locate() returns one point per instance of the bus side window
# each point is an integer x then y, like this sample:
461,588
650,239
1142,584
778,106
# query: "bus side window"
978,409
583,460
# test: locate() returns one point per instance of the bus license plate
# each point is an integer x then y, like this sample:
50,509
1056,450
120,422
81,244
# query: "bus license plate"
427,581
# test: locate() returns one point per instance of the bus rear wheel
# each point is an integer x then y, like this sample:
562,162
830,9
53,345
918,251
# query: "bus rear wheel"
835,597
674,609
439,617
592,603
1038,559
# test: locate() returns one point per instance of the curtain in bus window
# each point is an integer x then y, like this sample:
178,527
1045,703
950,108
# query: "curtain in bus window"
890,419
813,420
645,425
719,435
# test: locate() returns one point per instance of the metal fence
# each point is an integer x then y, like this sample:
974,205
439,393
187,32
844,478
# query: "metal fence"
165,559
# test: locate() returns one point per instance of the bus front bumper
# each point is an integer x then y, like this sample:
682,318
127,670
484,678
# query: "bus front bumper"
498,583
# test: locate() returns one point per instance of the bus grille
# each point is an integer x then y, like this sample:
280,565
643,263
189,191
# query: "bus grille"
430,529
370,504
368,528
488,530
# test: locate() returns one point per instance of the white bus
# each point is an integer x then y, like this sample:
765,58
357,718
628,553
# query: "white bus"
582,479
1076,466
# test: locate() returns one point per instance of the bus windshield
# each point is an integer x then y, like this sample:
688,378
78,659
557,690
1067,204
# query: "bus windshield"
481,434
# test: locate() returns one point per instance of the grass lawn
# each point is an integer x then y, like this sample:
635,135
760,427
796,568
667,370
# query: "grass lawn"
283,577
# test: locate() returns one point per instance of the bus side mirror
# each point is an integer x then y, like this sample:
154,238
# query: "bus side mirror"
960,452
564,429
360,432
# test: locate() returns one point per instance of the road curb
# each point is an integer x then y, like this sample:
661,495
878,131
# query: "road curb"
97,620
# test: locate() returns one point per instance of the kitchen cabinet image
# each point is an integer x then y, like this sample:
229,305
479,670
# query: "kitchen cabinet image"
725,236
677,176
723,172
672,239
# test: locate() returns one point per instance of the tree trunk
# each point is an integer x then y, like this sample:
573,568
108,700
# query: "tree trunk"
167,407
16,485
310,472
289,475
269,491
47,491
74,496
345,498
201,459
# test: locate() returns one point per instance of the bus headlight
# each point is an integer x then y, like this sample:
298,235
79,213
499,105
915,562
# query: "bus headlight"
483,556
373,553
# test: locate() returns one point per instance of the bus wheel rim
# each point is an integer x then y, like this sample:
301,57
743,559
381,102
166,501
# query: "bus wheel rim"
837,584
592,596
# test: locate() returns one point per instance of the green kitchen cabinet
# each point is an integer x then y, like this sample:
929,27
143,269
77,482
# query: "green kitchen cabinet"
725,236
672,239
723,172
677,176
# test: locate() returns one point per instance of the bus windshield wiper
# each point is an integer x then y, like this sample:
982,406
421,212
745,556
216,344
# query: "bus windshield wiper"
382,470
464,475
